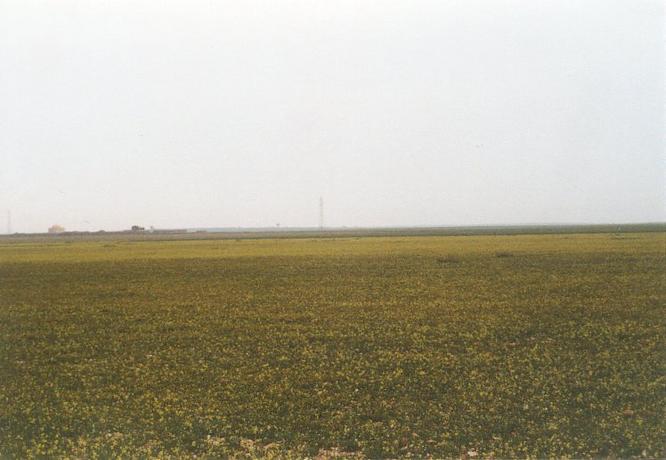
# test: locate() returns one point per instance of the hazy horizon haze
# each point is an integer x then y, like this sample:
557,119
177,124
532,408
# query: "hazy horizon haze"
242,114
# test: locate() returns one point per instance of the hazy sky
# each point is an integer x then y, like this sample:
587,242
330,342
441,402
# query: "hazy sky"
243,113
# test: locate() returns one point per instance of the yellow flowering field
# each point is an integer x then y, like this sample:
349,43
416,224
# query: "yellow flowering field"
442,346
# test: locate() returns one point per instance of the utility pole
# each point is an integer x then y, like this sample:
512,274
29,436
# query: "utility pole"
9,222
321,213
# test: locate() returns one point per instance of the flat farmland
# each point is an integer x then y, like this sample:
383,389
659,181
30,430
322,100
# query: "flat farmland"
443,346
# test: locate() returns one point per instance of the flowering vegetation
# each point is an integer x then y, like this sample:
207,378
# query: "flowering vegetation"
479,346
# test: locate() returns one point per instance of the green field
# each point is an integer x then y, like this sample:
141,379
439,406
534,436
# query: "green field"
450,346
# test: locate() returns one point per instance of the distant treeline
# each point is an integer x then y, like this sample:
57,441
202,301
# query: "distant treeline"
255,233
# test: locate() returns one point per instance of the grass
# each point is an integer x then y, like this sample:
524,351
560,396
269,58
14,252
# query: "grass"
505,346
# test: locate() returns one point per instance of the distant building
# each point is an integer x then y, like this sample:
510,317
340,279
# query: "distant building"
56,228
136,228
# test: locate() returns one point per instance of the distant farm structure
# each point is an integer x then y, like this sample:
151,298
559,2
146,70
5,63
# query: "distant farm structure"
55,228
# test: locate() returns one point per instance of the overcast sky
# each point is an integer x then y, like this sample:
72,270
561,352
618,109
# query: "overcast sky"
243,113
